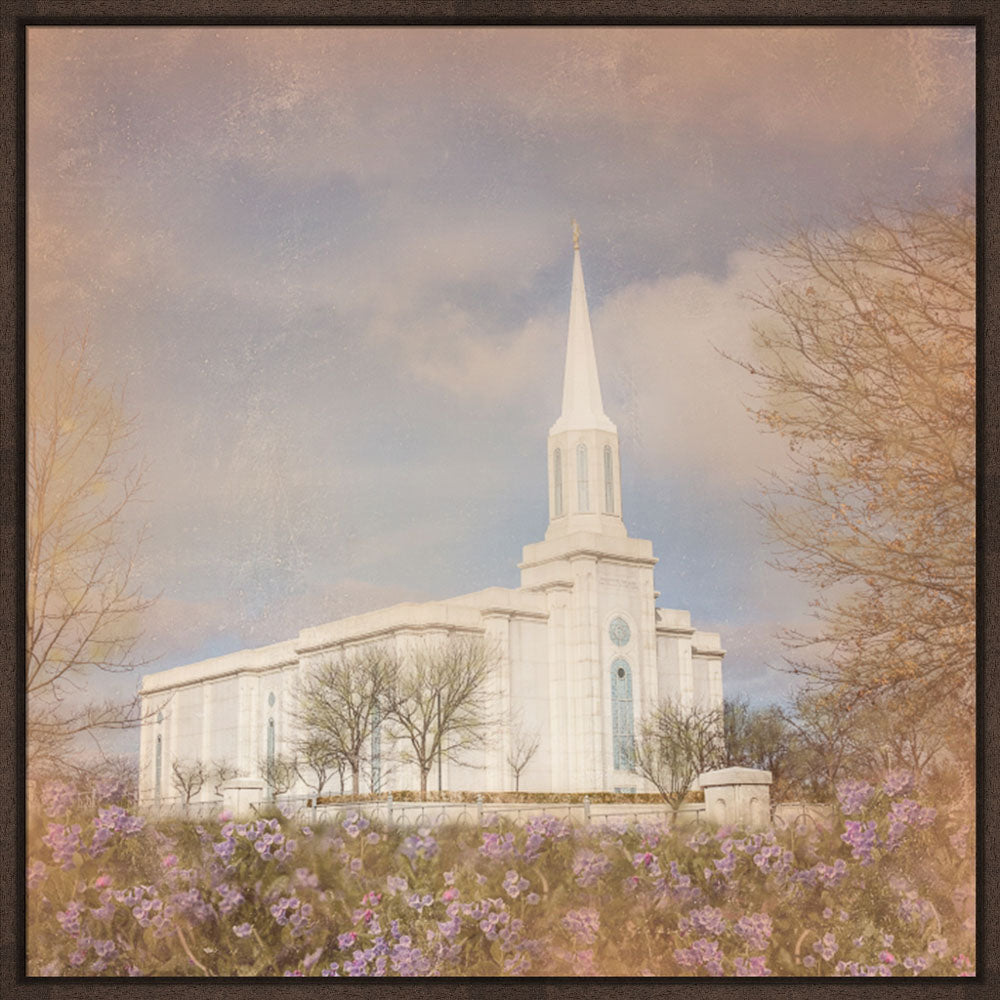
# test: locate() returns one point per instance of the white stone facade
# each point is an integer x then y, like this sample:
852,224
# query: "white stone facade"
583,650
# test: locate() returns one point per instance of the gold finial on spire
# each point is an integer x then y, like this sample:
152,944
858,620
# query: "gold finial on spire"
576,236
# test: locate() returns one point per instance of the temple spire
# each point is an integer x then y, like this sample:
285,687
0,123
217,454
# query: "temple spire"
582,408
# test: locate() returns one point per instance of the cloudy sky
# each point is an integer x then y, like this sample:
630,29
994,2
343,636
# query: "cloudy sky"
333,267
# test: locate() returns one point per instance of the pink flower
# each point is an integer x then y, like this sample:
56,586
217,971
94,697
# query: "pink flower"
449,894
101,881
887,957
170,861
225,816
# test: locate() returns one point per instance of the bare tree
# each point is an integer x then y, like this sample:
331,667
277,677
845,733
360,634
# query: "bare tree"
337,705
316,762
676,743
867,366
84,605
892,734
279,771
759,738
219,772
438,703
824,745
188,777
523,747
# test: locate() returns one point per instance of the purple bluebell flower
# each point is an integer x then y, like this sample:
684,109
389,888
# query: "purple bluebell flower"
36,873
589,867
58,798
648,862
826,947
707,919
755,929
419,845
583,924
498,846
862,838
354,824
69,919
548,827
189,903
396,884
907,813
307,878
106,910
853,796
230,898
756,965
419,903
831,875
703,952
514,884
64,842
897,782
117,819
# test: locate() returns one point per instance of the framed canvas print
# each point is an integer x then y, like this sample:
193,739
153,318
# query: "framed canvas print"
500,501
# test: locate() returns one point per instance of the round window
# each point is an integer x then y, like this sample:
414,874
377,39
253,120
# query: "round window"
619,631
621,671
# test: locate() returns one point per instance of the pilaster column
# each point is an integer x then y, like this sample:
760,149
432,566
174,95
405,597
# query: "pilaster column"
585,665
206,732
498,634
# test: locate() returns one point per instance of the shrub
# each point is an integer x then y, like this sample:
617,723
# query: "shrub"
886,890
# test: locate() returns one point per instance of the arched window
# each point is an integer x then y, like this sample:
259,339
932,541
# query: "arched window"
622,734
557,502
609,481
582,488
269,777
159,766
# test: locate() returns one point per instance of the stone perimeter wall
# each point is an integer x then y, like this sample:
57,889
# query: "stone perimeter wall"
733,796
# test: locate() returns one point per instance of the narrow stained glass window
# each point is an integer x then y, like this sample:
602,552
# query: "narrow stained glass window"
270,755
557,486
622,733
582,486
609,481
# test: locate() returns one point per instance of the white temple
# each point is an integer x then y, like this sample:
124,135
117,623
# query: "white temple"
583,650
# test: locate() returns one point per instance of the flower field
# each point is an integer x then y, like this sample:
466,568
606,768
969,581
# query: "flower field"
886,891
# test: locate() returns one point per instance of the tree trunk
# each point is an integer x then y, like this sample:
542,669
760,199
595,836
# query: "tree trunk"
356,780
424,771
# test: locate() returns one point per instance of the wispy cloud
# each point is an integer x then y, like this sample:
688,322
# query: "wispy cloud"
333,264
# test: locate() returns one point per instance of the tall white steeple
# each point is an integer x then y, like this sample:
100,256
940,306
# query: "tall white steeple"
584,476
582,408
